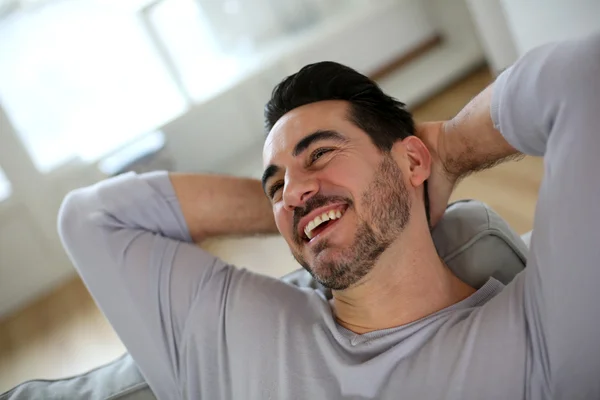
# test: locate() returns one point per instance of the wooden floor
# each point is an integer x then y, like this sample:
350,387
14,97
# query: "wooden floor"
65,334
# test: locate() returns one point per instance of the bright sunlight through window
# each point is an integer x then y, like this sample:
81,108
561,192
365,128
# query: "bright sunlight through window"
5,186
79,78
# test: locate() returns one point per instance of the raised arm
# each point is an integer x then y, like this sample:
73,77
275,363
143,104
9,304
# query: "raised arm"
215,205
131,243
547,104
465,144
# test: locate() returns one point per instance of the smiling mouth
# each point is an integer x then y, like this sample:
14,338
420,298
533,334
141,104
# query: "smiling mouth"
321,222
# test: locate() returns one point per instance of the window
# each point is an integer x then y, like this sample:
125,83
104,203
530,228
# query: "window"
200,62
82,78
211,44
5,186
79,78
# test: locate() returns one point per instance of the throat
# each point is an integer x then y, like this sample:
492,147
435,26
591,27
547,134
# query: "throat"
394,295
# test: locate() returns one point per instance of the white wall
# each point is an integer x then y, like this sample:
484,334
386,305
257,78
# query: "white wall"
458,54
31,258
494,33
510,28
536,22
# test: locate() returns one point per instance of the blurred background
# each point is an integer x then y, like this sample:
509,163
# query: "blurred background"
92,88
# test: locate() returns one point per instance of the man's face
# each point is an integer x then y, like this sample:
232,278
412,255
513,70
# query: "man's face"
338,201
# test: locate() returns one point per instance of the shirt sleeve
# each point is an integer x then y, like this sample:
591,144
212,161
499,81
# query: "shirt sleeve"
129,242
548,104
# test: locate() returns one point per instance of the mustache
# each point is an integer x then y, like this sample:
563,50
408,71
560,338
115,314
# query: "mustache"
318,200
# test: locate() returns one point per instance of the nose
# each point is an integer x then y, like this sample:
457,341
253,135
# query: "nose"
298,190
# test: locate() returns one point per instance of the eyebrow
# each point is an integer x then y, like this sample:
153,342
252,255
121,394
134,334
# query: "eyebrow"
317,136
300,147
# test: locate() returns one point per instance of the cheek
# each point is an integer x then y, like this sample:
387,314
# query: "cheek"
283,220
352,178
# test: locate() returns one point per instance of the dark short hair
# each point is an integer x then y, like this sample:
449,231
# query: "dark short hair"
382,117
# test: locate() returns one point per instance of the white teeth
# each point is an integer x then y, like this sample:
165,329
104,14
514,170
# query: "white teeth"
319,219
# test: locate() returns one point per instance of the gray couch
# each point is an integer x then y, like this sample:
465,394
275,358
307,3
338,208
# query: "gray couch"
471,238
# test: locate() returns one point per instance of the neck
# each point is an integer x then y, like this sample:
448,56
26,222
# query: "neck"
408,283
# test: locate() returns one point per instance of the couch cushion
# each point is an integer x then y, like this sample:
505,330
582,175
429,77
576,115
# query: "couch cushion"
476,244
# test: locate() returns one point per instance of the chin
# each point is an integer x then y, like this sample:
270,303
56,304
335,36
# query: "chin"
325,263
324,254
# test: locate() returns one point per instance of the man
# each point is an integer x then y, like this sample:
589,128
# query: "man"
345,181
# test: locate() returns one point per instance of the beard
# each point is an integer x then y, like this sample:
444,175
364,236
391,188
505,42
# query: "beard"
387,206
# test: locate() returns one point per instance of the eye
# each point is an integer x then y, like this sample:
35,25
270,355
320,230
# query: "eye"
315,155
274,189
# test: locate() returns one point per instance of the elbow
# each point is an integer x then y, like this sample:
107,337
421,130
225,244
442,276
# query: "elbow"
71,215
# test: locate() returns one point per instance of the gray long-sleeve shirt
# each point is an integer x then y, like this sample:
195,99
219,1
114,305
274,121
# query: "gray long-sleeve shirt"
199,328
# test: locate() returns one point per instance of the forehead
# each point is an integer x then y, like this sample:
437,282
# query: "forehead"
304,120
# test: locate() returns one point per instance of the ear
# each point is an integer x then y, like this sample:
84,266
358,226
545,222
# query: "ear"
418,158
